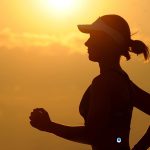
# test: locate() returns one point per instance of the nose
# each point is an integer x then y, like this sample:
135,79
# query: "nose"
86,43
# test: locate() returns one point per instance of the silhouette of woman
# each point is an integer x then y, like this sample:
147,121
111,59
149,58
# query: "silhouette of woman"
107,104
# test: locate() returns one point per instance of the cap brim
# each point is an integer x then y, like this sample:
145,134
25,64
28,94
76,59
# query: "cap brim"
85,28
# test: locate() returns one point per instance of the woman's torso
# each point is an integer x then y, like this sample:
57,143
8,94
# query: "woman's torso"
118,127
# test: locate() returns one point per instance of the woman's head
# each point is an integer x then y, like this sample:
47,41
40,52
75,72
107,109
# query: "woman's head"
101,46
110,36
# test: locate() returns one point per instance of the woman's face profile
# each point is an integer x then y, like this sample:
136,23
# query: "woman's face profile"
98,46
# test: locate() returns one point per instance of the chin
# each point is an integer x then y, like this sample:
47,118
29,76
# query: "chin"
94,59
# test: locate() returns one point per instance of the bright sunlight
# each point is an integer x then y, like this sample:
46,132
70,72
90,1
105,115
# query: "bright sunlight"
60,7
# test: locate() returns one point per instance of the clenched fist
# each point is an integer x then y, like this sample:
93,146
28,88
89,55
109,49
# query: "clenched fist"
40,119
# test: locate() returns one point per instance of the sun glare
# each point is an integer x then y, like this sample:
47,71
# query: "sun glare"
60,6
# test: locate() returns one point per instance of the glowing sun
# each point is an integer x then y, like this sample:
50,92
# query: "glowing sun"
61,6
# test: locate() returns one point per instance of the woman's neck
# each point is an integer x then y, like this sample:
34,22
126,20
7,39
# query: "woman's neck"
109,64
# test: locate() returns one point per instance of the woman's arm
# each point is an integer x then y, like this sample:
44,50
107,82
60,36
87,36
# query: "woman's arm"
142,102
75,134
144,142
96,119
40,120
141,99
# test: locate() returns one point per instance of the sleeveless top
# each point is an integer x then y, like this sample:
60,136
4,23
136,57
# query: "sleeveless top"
120,119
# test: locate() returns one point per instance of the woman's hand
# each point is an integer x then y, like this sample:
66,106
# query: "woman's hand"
40,119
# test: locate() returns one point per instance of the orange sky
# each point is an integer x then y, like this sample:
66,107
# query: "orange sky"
43,63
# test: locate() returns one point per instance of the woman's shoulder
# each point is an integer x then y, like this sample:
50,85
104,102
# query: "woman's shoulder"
112,80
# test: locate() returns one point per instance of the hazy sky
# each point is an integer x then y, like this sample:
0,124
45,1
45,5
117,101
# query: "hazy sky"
44,63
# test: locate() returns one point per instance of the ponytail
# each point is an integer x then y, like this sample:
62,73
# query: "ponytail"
139,47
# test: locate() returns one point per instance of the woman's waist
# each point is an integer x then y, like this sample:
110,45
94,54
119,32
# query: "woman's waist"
111,139
112,143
